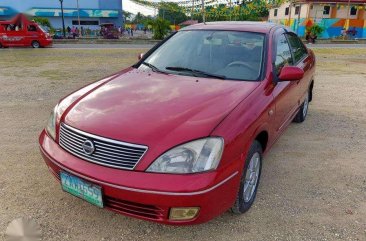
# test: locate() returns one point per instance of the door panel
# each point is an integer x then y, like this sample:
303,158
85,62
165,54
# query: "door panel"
285,92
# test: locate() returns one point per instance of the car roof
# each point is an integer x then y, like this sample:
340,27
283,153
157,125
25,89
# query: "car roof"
249,26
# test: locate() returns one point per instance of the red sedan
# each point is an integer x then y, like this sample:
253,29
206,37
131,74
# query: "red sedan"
179,137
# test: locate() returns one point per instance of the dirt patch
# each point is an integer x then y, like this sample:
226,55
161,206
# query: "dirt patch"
313,183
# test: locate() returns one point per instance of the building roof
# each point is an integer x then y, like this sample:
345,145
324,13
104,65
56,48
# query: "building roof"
331,1
260,27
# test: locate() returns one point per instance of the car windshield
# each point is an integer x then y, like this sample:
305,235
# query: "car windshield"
214,54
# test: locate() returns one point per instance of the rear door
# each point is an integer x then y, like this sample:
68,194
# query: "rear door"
13,36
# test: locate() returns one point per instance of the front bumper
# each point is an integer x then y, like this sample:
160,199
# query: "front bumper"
149,196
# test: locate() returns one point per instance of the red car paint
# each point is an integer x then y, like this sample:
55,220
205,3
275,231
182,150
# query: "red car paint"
143,107
27,34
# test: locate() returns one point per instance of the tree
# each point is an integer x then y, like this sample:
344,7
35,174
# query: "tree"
141,19
42,21
161,28
127,15
172,12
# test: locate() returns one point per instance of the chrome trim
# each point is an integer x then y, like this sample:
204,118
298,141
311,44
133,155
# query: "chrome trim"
79,153
121,155
103,138
141,190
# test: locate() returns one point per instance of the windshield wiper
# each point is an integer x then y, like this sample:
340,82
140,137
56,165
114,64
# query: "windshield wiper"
153,67
196,72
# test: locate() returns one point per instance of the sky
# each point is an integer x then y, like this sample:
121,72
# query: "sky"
135,8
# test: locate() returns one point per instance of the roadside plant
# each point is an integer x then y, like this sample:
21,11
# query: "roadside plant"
316,29
161,28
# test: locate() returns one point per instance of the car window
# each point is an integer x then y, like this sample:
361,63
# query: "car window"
297,47
32,28
233,54
283,53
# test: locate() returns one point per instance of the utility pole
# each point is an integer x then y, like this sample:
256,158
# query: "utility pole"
348,13
192,10
298,20
203,11
63,19
77,5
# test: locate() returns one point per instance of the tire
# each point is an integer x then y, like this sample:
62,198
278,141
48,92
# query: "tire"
245,196
36,45
1,46
303,111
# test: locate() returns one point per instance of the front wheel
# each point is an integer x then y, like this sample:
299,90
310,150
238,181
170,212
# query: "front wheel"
249,180
35,45
303,111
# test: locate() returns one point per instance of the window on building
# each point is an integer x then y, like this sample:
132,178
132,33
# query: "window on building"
326,10
275,12
286,11
283,54
297,10
85,22
353,11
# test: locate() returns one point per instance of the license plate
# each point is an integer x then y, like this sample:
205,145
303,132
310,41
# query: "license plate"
82,189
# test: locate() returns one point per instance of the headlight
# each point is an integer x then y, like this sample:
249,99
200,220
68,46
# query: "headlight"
51,124
196,156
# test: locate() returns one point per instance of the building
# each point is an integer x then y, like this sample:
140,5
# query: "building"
92,13
332,15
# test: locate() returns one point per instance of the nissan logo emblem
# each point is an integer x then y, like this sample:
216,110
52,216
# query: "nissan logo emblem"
88,147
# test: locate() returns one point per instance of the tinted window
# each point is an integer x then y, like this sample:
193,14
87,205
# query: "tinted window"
235,55
283,53
32,28
297,47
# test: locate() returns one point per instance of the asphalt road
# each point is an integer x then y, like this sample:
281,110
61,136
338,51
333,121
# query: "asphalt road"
103,46
140,46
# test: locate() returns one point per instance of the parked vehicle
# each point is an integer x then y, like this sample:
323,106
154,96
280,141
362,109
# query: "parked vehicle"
21,32
179,137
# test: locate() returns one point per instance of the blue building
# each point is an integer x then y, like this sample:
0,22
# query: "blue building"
92,12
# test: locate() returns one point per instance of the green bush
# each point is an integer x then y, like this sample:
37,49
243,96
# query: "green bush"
161,28
315,29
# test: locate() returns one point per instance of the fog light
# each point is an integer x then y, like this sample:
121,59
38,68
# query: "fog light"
183,213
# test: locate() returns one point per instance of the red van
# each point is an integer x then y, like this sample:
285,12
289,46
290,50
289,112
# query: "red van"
21,32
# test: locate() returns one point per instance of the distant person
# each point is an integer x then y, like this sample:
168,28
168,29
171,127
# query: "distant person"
131,32
68,30
82,31
77,32
343,33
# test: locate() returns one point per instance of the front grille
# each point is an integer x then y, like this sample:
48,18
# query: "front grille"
135,209
106,152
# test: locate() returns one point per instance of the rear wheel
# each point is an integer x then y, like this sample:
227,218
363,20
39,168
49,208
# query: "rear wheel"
249,180
1,46
303,111
36,45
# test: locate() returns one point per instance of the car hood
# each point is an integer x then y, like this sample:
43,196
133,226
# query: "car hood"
156,109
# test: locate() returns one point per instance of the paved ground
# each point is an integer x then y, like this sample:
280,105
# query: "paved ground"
313,183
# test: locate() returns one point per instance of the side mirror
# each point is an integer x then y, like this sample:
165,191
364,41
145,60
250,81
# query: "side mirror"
291,73
140,56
